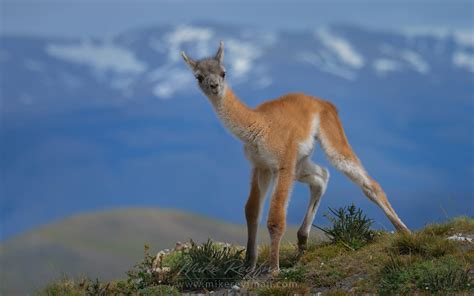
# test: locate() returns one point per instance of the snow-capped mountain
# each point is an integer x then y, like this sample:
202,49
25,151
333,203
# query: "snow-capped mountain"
93,123
146,63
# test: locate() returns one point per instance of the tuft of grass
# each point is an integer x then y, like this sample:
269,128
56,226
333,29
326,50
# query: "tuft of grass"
408,275
63,287
395,276
209,265
283,289
296,274
324,251
95,287
461,224
337,292
350,227
426,262
161,290
289,255
422,244
173,259
448,274
329,276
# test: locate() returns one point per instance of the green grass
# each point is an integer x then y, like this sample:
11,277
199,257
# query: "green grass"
446,275
86,287
460,224
288,255
422,244
209,265
283,290
295,274
423,263
64,287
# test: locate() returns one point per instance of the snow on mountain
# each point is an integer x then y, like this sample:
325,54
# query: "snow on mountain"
199,36
322,61
170,81
103,56
462,56
341,48
464,60
147,62
383,66
242,57
410,57
91,123
464,38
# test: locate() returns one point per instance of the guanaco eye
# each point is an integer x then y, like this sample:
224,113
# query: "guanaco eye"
223,74
200,78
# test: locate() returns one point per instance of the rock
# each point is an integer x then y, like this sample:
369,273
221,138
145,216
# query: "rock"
460,237
235,288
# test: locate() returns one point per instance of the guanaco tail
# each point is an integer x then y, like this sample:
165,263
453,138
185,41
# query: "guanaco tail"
279,137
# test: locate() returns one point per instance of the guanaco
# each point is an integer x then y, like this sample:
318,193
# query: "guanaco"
279,137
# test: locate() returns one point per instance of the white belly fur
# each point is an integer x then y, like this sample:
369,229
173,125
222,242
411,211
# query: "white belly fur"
259,156
306,147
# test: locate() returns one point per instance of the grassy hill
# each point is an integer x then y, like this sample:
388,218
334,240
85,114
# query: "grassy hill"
104,245
435,260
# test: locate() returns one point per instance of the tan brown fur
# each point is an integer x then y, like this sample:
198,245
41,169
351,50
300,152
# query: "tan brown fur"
332,129
278,138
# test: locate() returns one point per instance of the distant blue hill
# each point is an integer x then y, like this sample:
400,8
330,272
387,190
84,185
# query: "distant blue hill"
101,123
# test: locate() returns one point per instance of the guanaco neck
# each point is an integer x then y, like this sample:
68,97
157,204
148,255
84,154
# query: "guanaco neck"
242,121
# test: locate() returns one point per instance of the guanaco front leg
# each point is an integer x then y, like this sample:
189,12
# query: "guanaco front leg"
284,178
253,208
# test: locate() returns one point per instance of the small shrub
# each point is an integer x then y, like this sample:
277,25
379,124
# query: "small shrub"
64,287
144,275
94,287
141,276
120,287
210,265
173,259
350,227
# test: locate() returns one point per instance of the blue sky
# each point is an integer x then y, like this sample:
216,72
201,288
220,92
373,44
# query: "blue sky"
77,143
106,17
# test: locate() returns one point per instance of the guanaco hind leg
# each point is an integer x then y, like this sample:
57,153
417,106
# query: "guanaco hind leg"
336,146
317,178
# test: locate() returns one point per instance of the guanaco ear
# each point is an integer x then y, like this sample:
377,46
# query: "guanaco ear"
192,64
220,52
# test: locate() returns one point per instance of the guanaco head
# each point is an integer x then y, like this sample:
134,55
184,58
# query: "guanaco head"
209,72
